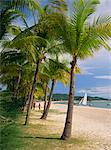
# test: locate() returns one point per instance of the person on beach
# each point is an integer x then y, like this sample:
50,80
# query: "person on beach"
34,105
39,106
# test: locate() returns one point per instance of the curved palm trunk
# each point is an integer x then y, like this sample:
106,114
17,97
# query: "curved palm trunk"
17,85
26,101
32,93
45,113
45,98
68,124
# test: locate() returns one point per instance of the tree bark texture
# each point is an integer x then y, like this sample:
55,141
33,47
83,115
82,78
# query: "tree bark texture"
68,124
32,93
45,113
45,98
17,85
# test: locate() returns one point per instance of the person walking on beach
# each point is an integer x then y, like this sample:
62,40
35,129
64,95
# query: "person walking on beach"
34,105
39,106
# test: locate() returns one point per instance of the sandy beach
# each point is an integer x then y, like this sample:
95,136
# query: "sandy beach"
92,124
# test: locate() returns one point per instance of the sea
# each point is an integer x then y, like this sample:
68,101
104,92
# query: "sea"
98,104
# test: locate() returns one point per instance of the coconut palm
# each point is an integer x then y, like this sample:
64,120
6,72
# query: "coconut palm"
81,39
12,63
12,9
54,70
8,12
35,48
44,78
38,43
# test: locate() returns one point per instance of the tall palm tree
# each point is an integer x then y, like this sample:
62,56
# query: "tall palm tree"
36,47
43,45
81,39
54,70
37,43
44,78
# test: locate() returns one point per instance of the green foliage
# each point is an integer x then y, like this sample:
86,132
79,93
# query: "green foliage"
65,97
80,37
10,110
10,137
37,137
56,70
10,107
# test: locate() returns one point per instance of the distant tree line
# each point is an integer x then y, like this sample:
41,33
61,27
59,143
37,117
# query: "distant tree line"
64,97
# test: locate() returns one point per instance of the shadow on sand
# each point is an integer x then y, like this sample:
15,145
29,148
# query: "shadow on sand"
40,137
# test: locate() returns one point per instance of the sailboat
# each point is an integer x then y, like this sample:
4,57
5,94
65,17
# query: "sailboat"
83,101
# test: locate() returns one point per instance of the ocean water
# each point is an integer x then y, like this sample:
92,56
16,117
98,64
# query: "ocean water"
98,104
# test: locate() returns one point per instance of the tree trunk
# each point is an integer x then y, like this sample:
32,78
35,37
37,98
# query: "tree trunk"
32,93
68,124
26,101
45,113
45,97
17,85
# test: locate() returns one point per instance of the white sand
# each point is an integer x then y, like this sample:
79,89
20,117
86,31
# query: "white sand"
92,123
88,122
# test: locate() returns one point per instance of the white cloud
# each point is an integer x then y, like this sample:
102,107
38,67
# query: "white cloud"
108,77
106,6
85,71
104,91
101,60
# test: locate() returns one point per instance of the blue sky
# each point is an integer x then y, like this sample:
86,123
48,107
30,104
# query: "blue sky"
95,77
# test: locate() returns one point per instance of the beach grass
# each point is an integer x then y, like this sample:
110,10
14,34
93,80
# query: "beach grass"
45,134
37,137
54,111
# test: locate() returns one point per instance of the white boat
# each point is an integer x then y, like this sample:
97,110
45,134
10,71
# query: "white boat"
83,101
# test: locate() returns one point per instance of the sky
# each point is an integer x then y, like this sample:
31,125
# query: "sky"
95,77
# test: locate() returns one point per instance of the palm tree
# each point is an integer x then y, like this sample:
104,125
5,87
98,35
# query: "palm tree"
8,12
12,67
36,41
81,39
36,47
12,9
42,46
44,78
54,71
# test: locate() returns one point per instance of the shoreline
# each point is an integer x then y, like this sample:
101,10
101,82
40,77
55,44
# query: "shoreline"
59,102
90,122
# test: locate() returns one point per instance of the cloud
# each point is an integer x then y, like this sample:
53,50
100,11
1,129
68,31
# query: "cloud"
97,91
106,6
107,77
85,71
96,65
